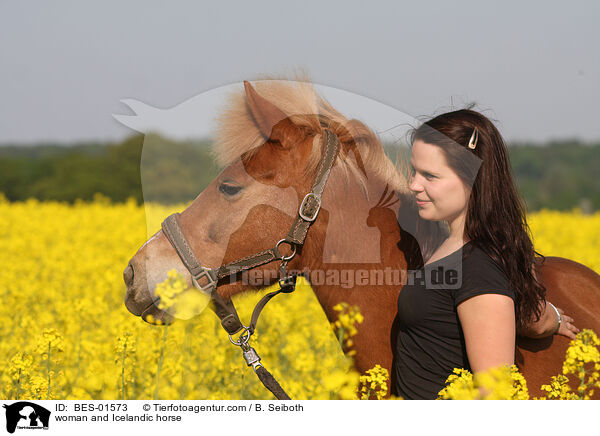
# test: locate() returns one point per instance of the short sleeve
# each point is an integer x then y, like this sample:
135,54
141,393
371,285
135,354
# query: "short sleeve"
481,275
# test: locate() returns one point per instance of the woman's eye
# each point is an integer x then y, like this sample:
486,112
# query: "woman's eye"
229,189
429,176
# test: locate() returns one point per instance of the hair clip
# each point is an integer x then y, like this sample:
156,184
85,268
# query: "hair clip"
473,140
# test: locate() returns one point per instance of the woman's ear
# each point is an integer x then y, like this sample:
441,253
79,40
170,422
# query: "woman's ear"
272,122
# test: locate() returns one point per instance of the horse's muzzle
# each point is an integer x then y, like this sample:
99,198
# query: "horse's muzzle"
137,297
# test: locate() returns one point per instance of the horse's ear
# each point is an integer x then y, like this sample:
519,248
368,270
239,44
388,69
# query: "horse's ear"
267,116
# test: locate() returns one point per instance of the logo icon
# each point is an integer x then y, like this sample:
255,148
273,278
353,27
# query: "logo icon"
26,415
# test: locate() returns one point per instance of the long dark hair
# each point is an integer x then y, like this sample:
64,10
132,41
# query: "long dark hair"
495,219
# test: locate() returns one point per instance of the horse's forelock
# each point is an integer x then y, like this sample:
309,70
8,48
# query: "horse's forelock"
237,133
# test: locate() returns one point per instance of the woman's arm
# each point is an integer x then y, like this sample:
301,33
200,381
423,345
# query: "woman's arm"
546,325
488,324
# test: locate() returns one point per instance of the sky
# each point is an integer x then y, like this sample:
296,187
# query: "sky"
532,67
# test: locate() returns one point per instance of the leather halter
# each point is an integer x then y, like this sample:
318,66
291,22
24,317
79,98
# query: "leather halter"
205,279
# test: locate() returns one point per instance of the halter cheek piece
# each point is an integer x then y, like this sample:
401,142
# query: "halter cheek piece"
206,279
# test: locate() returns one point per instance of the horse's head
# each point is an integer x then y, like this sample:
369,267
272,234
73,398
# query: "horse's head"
247,208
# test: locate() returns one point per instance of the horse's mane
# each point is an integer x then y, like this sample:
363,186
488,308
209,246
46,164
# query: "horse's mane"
237,134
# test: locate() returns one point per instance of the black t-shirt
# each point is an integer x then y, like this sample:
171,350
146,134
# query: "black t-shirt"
430,341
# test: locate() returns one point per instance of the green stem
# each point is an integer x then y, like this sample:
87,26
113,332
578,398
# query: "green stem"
187,352
581,388
341,333
242,386
48,370
123,371
134,383
79,353
160,361
18,384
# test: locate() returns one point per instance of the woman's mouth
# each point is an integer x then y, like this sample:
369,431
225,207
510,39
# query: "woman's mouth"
421,203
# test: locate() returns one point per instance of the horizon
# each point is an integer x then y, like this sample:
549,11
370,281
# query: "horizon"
108,142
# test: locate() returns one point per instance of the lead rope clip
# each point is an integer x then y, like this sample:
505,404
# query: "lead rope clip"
250,356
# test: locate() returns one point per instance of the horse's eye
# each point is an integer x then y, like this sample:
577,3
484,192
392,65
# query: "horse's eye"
229,189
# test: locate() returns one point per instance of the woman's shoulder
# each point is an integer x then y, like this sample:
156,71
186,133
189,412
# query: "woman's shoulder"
476,257
481,274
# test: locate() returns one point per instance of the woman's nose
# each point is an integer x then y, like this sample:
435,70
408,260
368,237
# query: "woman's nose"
414,185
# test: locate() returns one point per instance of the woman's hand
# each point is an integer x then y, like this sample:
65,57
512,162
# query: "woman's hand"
548,323
567,328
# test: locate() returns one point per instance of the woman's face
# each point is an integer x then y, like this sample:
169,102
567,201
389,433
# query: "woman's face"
441,195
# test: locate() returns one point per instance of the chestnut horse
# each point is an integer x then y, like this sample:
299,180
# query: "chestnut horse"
269,143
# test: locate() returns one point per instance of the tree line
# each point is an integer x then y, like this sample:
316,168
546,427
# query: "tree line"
559,175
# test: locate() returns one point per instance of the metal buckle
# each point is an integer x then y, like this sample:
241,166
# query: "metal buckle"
212,282
286,258
306,197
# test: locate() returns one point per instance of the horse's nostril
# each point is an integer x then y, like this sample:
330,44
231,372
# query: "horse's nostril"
128,275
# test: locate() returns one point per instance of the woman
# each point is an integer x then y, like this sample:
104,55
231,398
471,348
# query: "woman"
477,288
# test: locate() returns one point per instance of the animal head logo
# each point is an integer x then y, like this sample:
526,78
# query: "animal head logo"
26,415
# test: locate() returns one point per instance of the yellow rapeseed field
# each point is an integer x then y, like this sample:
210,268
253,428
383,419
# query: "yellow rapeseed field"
65,332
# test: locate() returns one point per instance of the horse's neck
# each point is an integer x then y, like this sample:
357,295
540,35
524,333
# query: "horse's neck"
355,235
